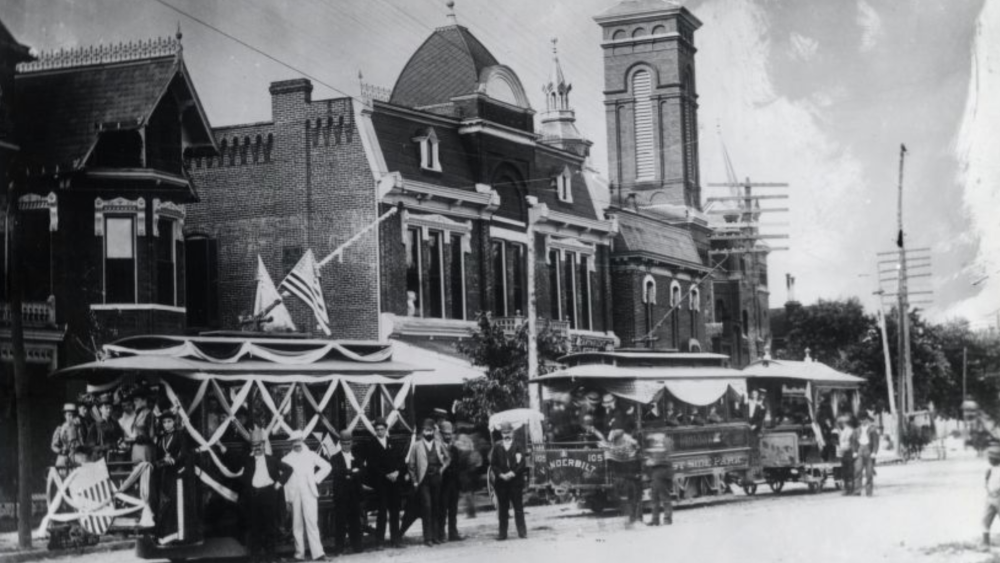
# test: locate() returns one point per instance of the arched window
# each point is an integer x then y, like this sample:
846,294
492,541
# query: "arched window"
619,34
642,90
649,298
563,186
746,323
675,293
428,141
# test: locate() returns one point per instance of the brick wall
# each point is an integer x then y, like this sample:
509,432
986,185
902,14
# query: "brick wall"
305,184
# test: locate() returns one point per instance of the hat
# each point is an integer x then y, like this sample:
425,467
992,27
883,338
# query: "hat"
257,436
297,436
380,422
429,424
69,407
440,412
594,397
347,435
168,413
105,399
447,427
506,428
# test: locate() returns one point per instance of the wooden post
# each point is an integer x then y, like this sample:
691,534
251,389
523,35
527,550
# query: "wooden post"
24,472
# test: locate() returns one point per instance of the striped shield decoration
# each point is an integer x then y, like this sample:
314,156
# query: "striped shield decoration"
92,489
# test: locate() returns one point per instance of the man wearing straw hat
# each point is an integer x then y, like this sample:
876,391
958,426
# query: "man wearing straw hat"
507,466
302,491
66,438
262,478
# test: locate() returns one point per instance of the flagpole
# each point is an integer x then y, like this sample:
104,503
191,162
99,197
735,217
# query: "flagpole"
339,251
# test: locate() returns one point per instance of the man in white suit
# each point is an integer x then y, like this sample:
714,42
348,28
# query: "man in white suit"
308,470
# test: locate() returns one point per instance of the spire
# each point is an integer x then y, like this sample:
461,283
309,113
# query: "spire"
452,20
559,120
556,89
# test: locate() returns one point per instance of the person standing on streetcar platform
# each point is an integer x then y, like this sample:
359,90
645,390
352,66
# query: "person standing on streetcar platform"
176,520
65,439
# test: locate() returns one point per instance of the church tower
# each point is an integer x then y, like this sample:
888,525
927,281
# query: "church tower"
559,119
651,102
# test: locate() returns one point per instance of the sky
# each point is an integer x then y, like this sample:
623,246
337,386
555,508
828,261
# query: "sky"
813,93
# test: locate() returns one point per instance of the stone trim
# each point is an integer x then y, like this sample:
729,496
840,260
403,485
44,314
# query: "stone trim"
135,207
169,210
35,202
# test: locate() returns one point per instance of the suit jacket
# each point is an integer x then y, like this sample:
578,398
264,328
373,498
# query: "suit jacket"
502,461
380,462
347,480
873,438
417,460
308,470
173,445
278,471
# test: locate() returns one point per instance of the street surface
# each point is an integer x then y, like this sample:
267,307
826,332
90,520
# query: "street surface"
922,512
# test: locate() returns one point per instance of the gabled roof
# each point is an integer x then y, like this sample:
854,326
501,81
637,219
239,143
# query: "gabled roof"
448,64
62,107
641,236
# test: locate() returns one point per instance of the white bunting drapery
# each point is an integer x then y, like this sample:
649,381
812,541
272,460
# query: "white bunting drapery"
190,349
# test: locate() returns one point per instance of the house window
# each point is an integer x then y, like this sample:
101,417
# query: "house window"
428,142
201,273
35,256
457,278
675,294
746,323
694,306
675,315
570,297
585,315
166,263
508,278
119,260
555,292
642,90
649,299
425,276
563,185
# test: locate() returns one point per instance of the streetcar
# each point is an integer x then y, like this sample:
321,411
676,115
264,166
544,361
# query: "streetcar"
221,386
692,401
798,440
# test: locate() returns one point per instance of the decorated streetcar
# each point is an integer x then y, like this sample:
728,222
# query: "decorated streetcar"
220,388
802,401
690,405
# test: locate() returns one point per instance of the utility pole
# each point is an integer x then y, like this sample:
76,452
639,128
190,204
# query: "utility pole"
24,473
534,397
905,364
965,361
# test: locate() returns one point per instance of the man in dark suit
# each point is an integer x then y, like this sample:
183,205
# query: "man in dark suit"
450,485
261,499
348,473
386,473
507,467
427,460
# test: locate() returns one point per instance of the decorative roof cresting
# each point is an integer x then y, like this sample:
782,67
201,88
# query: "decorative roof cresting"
104,54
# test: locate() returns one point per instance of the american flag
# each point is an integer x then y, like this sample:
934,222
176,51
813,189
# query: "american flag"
91,488
303,282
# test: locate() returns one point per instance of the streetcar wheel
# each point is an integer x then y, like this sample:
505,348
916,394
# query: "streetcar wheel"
750,489
776,485
814,487
598,503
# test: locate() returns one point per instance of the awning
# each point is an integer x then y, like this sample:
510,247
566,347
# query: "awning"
434,368
809,371
693,385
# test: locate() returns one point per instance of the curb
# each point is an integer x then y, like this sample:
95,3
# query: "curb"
42,553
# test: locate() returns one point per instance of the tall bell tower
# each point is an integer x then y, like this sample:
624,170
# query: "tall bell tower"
651,102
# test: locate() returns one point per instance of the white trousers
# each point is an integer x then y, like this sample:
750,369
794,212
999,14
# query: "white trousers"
305,518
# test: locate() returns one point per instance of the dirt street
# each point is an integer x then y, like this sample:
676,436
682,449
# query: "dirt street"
922,512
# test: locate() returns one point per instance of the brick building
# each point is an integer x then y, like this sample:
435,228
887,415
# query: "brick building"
455,144
672,287
101,193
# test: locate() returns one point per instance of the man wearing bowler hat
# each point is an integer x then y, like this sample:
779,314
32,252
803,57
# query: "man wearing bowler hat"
427,461
348,494
261,500
507,467
66,438
386,476
302,491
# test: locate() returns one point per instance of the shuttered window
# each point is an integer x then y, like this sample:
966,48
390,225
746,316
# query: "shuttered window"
645,162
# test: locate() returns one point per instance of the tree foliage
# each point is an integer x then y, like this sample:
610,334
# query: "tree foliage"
505,358
841,335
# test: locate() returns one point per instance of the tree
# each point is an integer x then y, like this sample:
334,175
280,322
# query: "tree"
505,358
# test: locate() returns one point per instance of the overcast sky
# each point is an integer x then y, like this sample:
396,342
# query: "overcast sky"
817,94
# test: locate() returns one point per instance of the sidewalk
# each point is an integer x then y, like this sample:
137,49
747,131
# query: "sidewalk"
10,553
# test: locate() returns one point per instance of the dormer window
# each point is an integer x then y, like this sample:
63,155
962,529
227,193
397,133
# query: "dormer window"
428,150
563,186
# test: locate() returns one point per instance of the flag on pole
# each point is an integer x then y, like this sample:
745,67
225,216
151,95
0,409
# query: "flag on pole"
268,305
303,282
91,488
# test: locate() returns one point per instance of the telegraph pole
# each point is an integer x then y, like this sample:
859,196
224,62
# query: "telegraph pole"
905,364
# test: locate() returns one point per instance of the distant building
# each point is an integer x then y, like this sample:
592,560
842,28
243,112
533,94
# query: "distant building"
101,191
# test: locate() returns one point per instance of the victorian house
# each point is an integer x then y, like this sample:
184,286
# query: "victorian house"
101,191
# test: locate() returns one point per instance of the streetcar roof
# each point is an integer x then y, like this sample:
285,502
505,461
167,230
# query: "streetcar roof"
232,357
652,373
810,371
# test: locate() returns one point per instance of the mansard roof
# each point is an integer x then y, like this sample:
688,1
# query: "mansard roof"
66,99
647,237
8,43
450,63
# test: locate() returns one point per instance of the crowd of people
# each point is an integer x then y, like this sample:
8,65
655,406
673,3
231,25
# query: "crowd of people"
423,477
